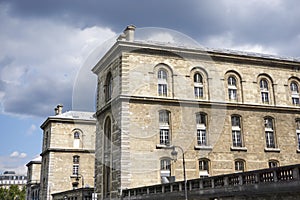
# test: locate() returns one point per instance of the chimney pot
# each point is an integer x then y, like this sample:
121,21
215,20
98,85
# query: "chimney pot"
129,33
58,109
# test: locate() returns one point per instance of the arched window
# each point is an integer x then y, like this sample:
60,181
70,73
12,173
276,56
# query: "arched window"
76,135
239,165
165,170
236,131
232,88
273,163
295,93
198,85
264,90
269,132
162,77
201,129
204,167
164,127
108,87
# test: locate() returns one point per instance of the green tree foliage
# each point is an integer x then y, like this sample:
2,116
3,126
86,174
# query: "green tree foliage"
12,193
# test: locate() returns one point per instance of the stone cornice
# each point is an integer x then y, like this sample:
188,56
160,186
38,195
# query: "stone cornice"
208,104
64,150
67,120
193,53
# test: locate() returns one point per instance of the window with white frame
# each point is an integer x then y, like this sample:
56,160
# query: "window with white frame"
298,132
236,131
232,88
76,142
295,93
201,129
162,77
198,85
239,165
269,132
76,165
164,127
264,90
203,167
165,170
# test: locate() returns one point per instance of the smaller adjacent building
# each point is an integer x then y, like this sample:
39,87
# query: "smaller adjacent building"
33,179
9,178
68,152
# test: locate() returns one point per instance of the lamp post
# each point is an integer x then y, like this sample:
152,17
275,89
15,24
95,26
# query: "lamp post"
174,154
82,183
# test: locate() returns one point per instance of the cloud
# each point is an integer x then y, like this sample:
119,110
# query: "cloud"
39,60
16,154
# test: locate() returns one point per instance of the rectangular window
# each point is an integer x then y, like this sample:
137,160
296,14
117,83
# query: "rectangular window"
295,101
201,137
164,136
270,142
236,138
75,169
239,166
265,97
198,92
165,165
232,94
162,90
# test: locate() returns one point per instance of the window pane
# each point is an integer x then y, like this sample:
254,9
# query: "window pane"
76,135
162,74
263,85
164,117
270,139
265,97
201,118
165,164
295,101
294,87
236,139
232,94
75,169
268,123
198,78
203,165
235,121
231,81
201,137
198,92
162,89
164,136
239,166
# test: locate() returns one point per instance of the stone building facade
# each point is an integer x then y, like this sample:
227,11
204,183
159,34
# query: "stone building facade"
68,152
33,179
227,111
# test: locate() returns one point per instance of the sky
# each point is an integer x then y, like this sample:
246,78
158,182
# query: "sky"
47,49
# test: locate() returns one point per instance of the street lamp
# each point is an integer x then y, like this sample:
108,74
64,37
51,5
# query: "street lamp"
174,154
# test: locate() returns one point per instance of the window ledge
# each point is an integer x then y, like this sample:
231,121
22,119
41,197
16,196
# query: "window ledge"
163,146
203,147
298,150
238,148
272,150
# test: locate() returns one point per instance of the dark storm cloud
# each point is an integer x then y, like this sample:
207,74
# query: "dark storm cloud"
175,14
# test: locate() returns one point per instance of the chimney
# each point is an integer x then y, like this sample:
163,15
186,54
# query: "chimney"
58,109
129,33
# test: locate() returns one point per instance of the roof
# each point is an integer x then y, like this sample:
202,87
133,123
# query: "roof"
78,116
